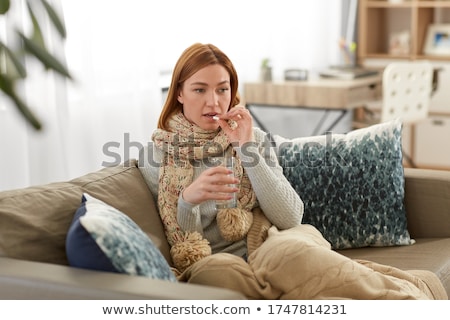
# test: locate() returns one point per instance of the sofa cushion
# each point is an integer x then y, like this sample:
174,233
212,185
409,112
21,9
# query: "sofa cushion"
427,202
352,184
103,238
35,220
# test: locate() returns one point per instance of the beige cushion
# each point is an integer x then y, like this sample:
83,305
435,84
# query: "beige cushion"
427,199
35,220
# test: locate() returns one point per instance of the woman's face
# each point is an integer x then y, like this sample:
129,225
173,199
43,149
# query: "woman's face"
205,94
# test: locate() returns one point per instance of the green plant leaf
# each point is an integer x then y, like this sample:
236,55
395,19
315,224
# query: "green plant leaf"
4,6
44,56
37,37
7,86
13,65
56,20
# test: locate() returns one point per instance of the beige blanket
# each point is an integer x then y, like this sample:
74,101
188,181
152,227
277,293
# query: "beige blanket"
299,264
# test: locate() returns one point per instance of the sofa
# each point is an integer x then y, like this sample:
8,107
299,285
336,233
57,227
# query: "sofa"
33,231
35,222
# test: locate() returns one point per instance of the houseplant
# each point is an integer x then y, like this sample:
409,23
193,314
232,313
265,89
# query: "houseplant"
266,70
18,45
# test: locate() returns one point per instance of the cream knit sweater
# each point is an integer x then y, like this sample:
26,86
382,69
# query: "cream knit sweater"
278,200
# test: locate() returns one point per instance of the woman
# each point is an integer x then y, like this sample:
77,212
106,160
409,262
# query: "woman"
202,118
204,87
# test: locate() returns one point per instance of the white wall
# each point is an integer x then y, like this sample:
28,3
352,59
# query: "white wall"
116,51
134,41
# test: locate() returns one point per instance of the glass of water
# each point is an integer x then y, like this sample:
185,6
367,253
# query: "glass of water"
229,162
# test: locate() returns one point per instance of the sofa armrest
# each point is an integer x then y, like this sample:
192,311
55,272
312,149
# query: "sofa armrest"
427,201
22,280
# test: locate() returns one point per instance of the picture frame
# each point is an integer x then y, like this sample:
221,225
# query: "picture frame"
437,41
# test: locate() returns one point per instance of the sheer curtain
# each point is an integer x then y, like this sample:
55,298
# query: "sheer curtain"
120,53
29,157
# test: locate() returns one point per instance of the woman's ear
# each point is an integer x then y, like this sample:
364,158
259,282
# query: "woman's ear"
180,98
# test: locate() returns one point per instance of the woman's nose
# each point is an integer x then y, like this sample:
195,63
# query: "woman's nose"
212,99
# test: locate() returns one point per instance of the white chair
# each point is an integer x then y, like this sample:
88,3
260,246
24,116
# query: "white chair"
407,88
407,91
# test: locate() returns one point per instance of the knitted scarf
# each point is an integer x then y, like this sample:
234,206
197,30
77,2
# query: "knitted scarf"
182,146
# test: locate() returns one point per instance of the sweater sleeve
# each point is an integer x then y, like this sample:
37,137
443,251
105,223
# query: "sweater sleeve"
188,216
279,201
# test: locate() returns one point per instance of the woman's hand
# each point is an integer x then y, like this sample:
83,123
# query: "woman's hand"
243,132
212,184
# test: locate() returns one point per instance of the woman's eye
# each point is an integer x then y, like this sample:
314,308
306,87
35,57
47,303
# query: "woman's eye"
200,90
223,89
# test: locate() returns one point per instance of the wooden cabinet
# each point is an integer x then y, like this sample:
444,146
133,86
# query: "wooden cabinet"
431,147
379,21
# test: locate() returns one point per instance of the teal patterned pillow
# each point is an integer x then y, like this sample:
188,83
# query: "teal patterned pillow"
103,238
352,184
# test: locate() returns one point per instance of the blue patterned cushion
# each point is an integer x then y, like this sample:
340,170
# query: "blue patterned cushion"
103,238
352,184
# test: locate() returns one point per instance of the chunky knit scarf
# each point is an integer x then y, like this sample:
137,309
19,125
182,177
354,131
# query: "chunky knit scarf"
183,146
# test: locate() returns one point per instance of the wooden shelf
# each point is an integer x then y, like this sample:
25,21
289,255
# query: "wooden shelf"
378,20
